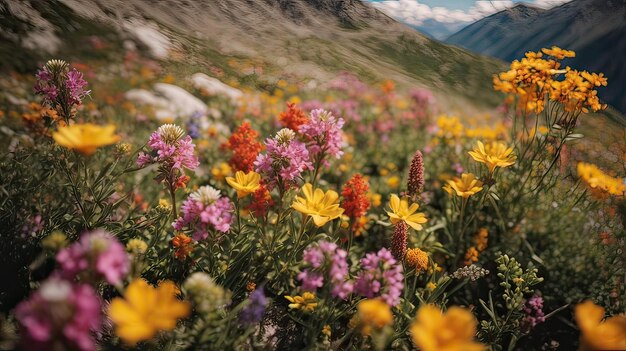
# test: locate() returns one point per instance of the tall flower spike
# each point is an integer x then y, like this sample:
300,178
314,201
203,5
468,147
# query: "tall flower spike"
398,240
415,183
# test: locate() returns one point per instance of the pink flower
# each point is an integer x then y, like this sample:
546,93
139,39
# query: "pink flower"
203,211
323,135
284,160
381,275
326,261
60,314
96,252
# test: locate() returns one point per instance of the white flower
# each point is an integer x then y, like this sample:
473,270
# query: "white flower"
206,194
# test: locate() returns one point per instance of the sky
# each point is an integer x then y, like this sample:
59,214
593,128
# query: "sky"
415,12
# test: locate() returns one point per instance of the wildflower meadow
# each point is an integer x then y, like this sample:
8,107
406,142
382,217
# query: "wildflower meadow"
349,216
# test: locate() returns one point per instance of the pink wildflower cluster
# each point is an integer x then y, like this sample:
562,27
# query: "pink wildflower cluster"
326,261
284,160
170,147
533,310
205,210
381,275
60,316
97,254
59,85
323,135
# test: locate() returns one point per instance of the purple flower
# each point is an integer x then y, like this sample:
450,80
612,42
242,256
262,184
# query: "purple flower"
254,311
326,261
533,310
76,86
284,161
60,315
61,86
323,135
96,252
381,275
205,210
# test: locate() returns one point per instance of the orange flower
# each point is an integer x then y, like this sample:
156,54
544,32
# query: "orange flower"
245,148
183,245
293,118
355,200
599,335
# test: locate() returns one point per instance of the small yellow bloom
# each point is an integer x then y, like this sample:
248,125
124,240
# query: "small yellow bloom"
494,154
599,335
145,310
375,199
326,330
599,181
245,183
372,315
393,182
136,246
465,187
85,138
433,330
323,207
305,302
55,241
401,211
221,171
431,286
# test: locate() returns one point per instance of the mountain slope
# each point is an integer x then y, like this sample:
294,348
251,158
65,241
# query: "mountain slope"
595,29
309,38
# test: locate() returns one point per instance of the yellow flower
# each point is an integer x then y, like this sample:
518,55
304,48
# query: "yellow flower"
245,183
85,138
375,199
431,286
136,246
401,211
326,330
305,302
433,330
323,207
598,335
393,182
221,171
372,315
493,155
416,258
465,187
145,310
598,180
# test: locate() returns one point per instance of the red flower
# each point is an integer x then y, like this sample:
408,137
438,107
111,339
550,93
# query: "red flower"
293,118
245,148
355,200
261,202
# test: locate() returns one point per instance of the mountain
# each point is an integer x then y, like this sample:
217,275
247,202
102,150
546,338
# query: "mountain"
595,29
308,38
438,30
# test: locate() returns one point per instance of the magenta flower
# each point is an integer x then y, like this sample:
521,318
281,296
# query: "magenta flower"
61,86
170,147
381,275
284,160
98,253
326,262
59,315
323,135
533,310
203,211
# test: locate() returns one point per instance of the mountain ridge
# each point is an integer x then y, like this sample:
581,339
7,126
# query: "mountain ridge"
594,29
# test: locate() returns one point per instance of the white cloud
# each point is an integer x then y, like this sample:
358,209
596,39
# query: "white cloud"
415,13
546,4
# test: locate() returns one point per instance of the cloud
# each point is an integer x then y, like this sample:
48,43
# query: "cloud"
415,13
546,4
